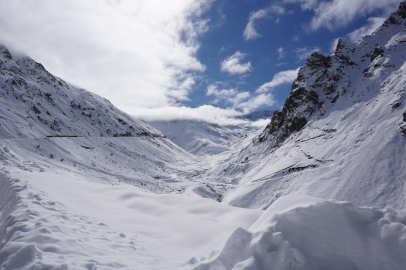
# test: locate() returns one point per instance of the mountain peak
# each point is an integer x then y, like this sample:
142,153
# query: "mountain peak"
401,10
396,17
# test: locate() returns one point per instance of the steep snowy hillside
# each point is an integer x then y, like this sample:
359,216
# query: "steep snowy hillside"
340,134
50,123
34,103
199,137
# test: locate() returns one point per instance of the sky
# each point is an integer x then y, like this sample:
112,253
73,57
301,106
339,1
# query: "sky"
145,55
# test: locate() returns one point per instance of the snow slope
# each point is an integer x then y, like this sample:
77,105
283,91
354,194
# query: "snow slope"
340,134
34,103
51,123
302,232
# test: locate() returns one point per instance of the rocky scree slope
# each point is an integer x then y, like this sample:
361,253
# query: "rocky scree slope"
341,133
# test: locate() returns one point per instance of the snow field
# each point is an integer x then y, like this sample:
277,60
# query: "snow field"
302,232
55,220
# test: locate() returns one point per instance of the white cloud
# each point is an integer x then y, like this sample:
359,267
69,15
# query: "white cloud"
295,38
338,13
230,96
135,53
283,77
373,24
261,122
277,8
250,32
237,99
223,94
305,4
305,52
223,49
281,52
241,100
233,64
205,113
333,46
258,101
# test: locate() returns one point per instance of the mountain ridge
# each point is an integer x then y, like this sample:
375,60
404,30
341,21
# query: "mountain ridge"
343,119
45,100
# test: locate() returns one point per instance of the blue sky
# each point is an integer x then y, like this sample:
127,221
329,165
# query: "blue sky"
285,39
143,55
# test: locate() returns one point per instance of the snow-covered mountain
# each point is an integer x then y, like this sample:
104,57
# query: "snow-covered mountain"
201,138
341,133
35,103
51,123
85,186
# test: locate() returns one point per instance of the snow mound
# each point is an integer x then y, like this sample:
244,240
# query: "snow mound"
302,232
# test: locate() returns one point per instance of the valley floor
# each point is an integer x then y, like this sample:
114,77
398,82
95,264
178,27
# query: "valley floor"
67,215
53,219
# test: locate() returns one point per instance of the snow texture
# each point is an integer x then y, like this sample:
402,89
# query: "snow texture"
85,186
302,232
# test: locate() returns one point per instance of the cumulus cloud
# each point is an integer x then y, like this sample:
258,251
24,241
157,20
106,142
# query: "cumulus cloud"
277,8
233,65
280,78
229,96
262,100
373,24
305,52
223,94
250,32
240,100
135,53
338,13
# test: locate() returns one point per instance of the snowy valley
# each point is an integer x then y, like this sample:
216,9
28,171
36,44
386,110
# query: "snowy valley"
83,185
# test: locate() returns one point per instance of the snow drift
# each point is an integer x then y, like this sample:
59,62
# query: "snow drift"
302,232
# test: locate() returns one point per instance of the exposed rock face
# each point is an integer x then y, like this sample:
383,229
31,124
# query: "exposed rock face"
324,79
33,101
342,129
